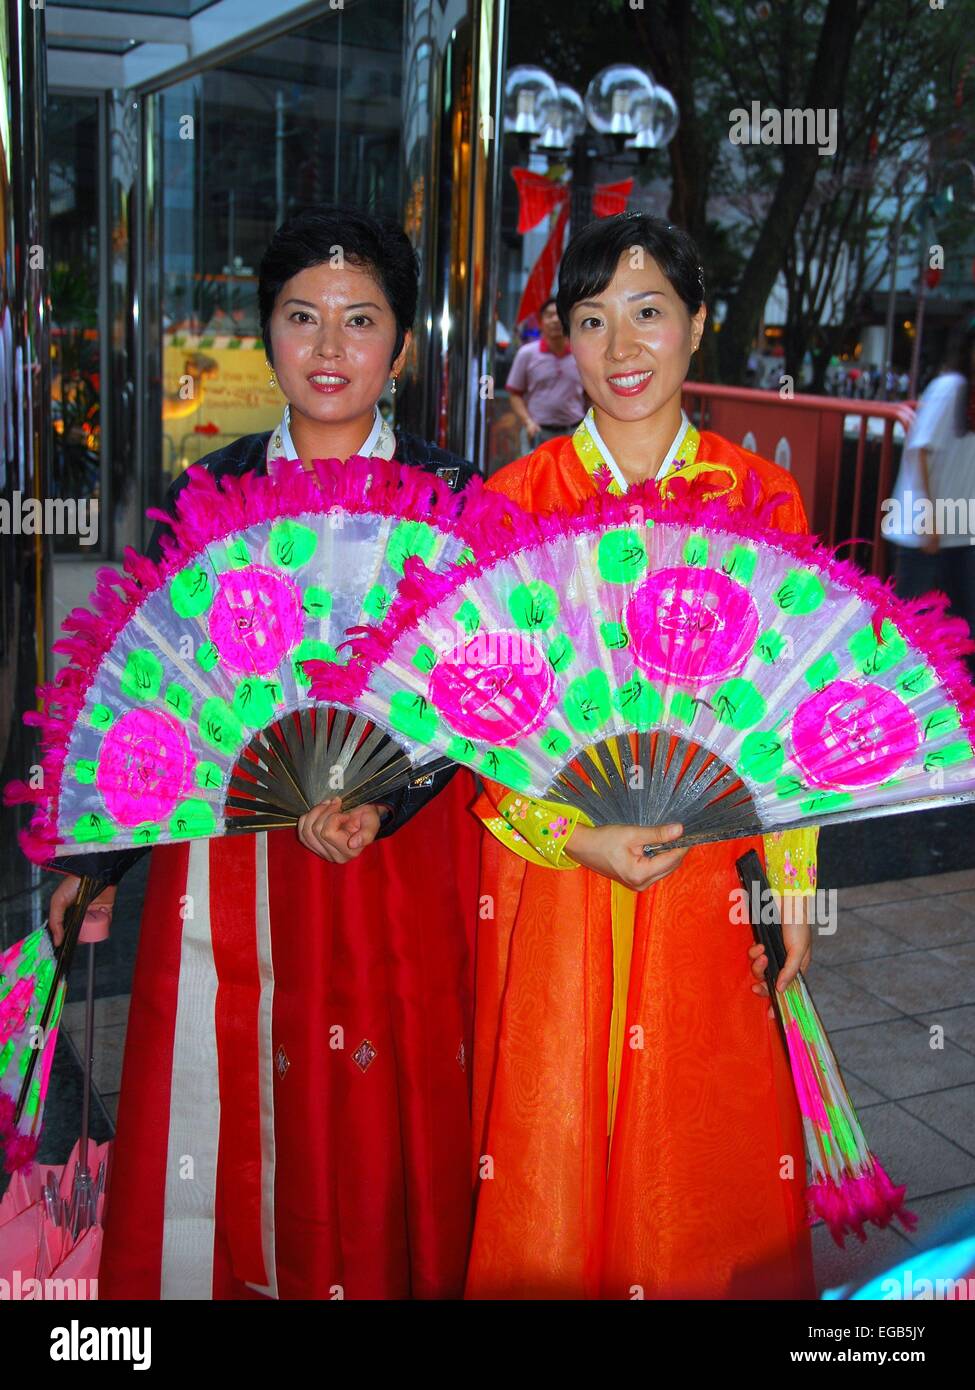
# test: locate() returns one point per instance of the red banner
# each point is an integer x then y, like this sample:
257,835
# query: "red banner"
609,199
537,197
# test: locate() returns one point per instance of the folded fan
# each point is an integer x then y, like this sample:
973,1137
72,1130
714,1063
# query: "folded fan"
651,662
185,709
848,1186
27,1042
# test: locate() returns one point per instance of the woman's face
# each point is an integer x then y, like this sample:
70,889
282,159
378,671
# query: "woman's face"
332,333
633,341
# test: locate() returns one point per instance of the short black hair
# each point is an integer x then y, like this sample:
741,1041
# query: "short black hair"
594,252
551,300
310,237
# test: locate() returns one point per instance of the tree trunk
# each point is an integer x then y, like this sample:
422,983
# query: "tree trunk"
825,89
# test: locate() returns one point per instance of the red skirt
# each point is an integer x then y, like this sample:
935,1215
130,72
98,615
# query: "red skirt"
294,1120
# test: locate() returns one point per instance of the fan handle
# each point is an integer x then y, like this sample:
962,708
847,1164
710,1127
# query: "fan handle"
88,890
767,933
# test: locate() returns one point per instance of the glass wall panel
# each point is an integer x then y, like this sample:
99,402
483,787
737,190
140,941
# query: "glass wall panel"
73,146
314,116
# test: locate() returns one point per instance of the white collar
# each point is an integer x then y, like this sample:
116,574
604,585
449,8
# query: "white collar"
613,466
379,443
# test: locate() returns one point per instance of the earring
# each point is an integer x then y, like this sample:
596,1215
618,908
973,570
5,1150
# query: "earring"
392,387
272,379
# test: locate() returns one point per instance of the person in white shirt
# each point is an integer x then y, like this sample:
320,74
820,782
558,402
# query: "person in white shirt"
930,517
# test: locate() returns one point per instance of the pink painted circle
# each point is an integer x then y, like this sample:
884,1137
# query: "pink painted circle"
496,687
852,735
144,767
256,619
692,626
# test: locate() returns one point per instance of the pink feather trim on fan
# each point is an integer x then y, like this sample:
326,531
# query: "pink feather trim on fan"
207,510
924,621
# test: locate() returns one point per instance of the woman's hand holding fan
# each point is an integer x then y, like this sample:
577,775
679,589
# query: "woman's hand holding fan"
620,852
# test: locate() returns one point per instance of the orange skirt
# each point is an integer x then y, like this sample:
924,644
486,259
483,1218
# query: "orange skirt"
699,1193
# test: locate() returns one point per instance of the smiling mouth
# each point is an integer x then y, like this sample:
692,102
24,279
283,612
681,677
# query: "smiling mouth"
630,380
328,379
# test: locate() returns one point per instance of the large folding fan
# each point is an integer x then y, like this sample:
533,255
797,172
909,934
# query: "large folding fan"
185,710
653,662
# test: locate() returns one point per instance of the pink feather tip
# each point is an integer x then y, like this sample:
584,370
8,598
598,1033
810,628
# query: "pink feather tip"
19,1153
869,1197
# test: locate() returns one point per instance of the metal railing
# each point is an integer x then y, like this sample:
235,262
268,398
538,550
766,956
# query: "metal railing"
842,453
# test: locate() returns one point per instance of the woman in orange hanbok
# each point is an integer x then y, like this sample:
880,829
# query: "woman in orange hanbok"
636,1128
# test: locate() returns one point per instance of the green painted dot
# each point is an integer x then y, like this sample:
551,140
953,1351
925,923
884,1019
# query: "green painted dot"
220,727
91,828
468,617
254,702
614,635
238,556
191,591
466,556
825,801
101,717
739,563
208,775
941,721
207,656
801,591
789,785
410,538
192,819
311,649
291,545
640,703
560,652
739,703
145,834
85,770
770,646
424,658
762,756
142,676
696,550
316,602
621,556
179,700
556,742
507,766
413,715
915,681
958,752
461,749
872,656
683,707
821,672
534,605
377,602
587,701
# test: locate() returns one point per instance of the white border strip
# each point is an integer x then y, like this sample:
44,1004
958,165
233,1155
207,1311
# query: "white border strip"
194,1110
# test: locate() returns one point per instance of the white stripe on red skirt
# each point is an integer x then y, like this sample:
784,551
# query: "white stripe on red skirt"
194,1115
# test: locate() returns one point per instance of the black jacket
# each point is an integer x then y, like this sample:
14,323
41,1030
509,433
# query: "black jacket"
245,455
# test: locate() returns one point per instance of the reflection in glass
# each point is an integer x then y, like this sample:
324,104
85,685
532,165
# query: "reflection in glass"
314,116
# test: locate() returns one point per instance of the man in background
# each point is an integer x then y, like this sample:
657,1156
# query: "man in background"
544,383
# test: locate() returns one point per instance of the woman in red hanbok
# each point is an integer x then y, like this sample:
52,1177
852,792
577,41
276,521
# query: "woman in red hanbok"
294,1115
